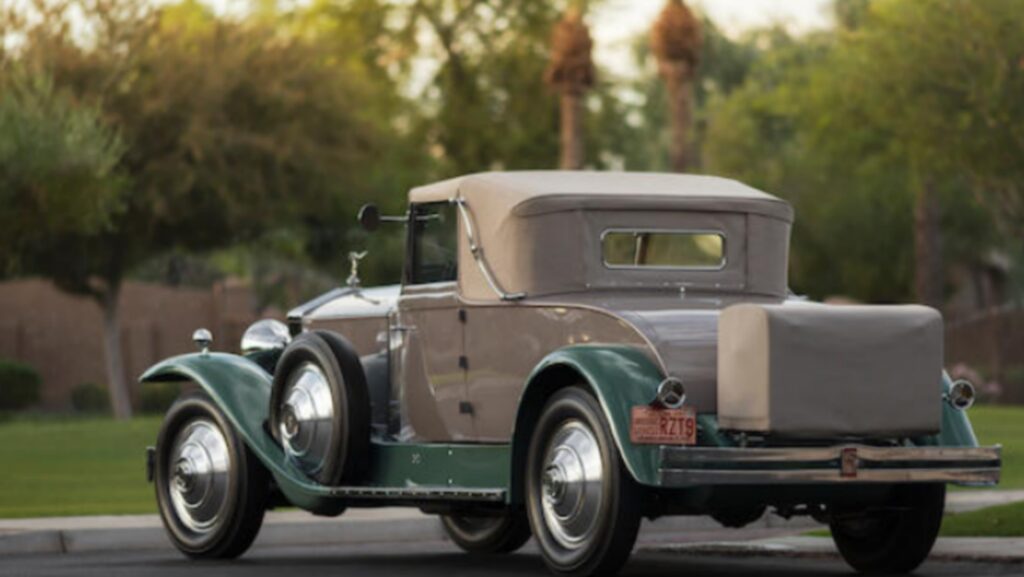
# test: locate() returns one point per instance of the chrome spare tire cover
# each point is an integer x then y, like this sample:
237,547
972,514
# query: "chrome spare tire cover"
306,420
320,408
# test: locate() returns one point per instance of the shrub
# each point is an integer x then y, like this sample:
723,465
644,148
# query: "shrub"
19,385
90,398
157,397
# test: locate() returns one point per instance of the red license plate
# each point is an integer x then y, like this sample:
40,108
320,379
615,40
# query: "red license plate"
657,426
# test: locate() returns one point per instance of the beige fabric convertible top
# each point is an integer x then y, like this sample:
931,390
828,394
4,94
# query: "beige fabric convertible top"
494,195
540,231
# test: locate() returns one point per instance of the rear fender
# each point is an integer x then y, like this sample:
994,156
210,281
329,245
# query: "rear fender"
619,376
956,428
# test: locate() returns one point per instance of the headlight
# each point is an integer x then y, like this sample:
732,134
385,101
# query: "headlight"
961,395
265,335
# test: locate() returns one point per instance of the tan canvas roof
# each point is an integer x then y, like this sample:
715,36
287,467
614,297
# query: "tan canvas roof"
539,232
537,192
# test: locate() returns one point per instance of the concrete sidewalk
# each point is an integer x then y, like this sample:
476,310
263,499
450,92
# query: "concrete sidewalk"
50,535
972,500
987,549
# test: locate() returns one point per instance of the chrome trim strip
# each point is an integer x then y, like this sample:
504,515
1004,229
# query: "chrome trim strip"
981,476
684,455
684,466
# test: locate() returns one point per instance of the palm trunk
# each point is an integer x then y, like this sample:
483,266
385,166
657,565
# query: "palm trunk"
928,278
678,87
117,384
572,129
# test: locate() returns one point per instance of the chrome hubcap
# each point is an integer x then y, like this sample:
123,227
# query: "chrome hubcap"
200,462
571,484
306,418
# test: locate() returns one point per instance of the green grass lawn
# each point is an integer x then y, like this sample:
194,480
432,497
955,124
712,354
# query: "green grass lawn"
1005,425
1001,521
75,467
96,466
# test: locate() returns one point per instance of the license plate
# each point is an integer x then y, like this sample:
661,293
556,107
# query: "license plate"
657,426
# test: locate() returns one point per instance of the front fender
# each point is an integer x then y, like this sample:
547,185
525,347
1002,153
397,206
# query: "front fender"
241,389
619,376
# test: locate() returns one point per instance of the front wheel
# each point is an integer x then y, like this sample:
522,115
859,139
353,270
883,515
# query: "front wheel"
503,533
895,538
211,490
584,507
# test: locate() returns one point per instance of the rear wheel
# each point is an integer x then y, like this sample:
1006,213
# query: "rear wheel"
211,490
584,507
488,534
896,538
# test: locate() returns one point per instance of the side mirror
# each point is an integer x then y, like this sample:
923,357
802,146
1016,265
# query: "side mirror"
369,217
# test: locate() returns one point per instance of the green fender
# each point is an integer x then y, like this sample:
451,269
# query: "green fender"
619,376
241,388
956,428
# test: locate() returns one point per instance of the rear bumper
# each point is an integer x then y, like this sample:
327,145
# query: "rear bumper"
689,466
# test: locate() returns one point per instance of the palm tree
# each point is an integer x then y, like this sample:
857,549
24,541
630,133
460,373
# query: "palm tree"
571,73
675,40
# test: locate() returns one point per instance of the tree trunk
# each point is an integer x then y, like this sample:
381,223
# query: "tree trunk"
117,384
928,277
678,86
572,129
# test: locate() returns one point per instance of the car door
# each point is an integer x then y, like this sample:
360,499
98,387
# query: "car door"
427,334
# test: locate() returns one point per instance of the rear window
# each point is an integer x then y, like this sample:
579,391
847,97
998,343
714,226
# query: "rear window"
671,249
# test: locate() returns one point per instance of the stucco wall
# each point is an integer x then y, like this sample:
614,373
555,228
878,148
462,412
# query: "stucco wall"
61,334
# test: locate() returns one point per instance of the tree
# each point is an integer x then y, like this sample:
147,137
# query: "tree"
676,41
491,57
944,79
58,176
57,167
833,122
571,73
232,128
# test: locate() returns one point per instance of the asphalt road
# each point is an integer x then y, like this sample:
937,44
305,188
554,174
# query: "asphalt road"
436,559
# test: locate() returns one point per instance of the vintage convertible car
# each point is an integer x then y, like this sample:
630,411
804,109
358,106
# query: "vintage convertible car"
568,353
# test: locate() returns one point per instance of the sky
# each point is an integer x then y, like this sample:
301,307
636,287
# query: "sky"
614,23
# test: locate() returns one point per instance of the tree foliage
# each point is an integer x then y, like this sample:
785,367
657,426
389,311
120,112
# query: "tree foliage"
231,128
849,124
57,168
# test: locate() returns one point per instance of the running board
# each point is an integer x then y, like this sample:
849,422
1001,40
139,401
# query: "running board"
419,494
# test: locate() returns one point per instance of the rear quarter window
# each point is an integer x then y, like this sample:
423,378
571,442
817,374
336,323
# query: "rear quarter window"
663,249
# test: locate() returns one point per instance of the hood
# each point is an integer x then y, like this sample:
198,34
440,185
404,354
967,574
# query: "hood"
347,302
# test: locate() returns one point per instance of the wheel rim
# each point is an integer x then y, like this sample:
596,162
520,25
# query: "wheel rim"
199,466
307,418
572,483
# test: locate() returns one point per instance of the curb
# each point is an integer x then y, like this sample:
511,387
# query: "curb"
31,542
274,533
680,535
294,528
